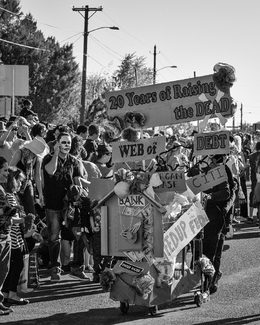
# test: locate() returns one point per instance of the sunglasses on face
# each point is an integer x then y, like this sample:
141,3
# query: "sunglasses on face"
65,142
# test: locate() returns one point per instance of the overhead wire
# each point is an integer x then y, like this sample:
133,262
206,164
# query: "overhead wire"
103,45
24,16
71,37
22,45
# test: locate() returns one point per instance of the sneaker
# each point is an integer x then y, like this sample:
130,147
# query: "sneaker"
205,296
89,269
250,220
77,273
55,273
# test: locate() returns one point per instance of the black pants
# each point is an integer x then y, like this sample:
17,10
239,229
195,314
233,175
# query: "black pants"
16,266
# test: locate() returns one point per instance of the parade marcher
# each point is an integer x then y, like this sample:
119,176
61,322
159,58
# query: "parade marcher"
217,203
252,161
60,170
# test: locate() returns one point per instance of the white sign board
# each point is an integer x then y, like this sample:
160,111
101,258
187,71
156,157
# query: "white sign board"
184,230
211,143
203,182
14,80
142,149
172,102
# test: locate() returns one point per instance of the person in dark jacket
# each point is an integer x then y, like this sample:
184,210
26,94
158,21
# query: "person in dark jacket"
217,204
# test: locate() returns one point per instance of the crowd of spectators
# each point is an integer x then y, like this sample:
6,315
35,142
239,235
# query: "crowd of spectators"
45,171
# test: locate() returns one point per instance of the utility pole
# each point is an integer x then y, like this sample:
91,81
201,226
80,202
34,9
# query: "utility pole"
241,122
86,9
154,65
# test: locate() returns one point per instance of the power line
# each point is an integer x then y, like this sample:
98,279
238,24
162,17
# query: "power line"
121,28
71,37
103,45
22,45
19,15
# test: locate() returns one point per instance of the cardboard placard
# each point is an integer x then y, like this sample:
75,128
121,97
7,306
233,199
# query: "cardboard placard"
172,181
184,230
211,143
203,182
142,149
172,102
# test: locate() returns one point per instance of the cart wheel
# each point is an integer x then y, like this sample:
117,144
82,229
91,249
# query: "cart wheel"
198,299
153,310
124,306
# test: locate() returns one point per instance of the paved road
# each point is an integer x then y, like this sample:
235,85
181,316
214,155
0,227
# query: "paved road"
75,303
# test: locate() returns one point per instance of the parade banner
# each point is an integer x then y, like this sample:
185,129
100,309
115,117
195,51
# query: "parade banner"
172,102
210,143
203,182
172,181
184,230
142,149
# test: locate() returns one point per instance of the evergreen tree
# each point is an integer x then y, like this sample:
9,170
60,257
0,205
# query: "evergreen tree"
54,79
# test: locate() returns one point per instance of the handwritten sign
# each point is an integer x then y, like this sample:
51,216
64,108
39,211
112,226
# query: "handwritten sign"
203,182
172,181
132,200
140,150
172,102
184,230
210,143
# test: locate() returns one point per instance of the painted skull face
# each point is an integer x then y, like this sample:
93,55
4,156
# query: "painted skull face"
65,144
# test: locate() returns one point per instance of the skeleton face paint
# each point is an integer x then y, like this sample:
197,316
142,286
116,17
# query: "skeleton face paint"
65,144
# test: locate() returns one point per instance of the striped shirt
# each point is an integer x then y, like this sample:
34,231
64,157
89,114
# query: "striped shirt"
16,234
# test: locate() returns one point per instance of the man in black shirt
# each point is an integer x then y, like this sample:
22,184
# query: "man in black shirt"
60,170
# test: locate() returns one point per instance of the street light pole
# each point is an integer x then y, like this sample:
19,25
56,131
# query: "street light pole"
85,51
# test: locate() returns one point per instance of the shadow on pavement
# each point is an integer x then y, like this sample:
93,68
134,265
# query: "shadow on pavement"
234,321
109,316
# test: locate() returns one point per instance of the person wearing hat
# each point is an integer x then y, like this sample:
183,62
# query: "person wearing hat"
60,171
29,160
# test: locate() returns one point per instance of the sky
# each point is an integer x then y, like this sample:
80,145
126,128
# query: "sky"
193,35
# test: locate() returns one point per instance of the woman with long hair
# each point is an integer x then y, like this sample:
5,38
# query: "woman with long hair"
18,245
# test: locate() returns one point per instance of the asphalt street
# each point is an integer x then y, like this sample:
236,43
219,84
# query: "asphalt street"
236,302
